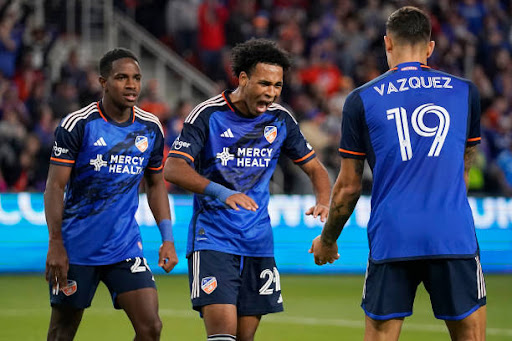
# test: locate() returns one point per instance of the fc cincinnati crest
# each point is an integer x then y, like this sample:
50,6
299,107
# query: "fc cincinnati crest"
141,142
209,284
270,133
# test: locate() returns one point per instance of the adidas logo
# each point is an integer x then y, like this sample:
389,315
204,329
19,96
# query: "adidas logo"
100,142
227,133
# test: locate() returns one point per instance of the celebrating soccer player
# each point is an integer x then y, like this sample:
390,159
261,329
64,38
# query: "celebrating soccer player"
226,154
100,154
418,129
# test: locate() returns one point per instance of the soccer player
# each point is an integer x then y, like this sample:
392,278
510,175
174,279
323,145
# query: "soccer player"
418,129
226,154
99,157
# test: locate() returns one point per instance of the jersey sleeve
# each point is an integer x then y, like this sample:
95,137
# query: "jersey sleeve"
352,125
157,154
191,140
66,146
474,136
295,146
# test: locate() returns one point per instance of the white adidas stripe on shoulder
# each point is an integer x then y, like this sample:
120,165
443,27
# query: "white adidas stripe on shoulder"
275,106
147,116
69,122
214,101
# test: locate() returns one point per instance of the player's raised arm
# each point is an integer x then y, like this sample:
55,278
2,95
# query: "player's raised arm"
159,204
179,172
346,193
57,258
321,186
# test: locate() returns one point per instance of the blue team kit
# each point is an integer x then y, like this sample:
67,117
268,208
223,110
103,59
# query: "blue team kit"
241,154
108,160
413,123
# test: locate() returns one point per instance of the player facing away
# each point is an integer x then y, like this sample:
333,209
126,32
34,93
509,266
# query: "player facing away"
418,129
100,155
226,154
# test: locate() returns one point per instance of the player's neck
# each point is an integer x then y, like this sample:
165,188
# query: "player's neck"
236,97
116,113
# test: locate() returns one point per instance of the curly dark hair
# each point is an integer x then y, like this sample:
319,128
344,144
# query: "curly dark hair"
111,56
246,55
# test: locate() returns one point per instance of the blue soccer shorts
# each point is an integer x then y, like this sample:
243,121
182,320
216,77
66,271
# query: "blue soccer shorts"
128,275
456,287
252,284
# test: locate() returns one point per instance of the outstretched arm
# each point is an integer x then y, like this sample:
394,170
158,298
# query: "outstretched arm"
346,193
321,186
57,263
159,203
179,172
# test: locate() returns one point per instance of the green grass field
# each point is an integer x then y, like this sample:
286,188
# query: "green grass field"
316,308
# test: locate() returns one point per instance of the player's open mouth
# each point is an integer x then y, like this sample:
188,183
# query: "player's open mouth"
262,106
130,97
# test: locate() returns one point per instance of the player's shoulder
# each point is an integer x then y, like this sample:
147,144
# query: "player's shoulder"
206,108
147,118
278,109
446,74
79,117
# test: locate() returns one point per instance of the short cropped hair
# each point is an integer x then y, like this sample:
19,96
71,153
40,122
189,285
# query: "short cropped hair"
111,56
409,25
246,55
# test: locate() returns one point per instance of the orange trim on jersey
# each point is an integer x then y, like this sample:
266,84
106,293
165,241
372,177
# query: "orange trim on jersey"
229,105
155,169
62,160
99,110
351,152
181,153
305,157
396,68
474,139
133,114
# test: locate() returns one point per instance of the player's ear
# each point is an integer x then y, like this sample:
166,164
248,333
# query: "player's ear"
431,46
243,79
388,43
103,82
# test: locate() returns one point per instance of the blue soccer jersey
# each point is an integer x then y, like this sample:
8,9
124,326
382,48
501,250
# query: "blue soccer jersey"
413,125
239,153
108,160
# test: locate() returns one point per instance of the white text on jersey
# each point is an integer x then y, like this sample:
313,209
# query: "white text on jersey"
405,84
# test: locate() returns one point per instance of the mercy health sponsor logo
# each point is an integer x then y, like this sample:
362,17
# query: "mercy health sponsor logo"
246,157
119,164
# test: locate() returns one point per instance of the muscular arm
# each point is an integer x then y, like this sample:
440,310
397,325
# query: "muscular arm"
469,158
159,203
346,193
179,172
57,258
321,186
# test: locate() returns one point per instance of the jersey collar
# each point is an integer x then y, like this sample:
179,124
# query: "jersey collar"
410,66
106,118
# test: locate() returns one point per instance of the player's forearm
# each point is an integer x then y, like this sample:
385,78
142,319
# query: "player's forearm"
321,186
53,209
343,202
178,172
157,197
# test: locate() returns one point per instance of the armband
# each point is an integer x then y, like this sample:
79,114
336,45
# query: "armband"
220,192
165,227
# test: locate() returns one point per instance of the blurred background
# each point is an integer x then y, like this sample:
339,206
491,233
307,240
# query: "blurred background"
49,50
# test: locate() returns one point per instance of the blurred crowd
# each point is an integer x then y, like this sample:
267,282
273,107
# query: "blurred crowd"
336,45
